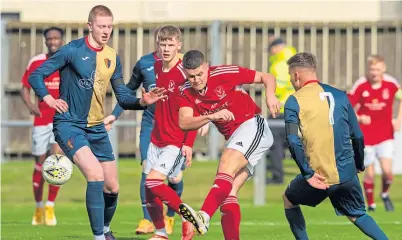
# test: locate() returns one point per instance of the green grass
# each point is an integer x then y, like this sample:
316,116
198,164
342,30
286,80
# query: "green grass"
266,222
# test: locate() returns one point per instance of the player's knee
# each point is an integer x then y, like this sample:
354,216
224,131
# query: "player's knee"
111,188
231,162
352,219
286,202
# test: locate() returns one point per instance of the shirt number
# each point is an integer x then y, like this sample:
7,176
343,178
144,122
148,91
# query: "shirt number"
323,97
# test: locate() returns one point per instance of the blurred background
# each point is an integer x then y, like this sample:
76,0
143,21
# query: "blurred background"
248,33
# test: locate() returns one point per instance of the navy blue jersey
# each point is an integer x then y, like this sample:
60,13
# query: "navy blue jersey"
332,142
143,73
85,73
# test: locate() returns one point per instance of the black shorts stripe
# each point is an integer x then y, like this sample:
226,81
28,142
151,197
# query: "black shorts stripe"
176,162
257,138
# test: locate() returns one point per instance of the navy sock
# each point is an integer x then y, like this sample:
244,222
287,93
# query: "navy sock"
178,187
95,206
142,194
297,223
369,227
110,206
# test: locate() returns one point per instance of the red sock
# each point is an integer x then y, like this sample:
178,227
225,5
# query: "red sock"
37,182
218,193
53,190
386,182
165,193
369,191
231,217
155,208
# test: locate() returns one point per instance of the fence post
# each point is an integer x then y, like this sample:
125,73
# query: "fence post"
213,136
3,82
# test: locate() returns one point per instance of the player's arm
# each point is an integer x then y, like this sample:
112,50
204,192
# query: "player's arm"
188,122
25,93
357,138
296,147
135,82
268,80
57,61
398,120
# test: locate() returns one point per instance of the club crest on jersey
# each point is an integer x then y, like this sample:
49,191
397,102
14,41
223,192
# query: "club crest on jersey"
385,93
220,92
108,62
171,86
366,94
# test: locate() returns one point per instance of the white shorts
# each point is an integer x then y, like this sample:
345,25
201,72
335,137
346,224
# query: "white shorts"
253,138
382,150
166,160
42,139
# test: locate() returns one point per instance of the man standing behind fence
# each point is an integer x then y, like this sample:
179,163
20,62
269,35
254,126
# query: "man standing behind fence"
43,143
280,53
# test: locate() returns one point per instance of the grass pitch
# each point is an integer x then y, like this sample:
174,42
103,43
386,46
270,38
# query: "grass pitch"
268,222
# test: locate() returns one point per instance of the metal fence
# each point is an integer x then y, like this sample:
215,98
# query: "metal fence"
341,50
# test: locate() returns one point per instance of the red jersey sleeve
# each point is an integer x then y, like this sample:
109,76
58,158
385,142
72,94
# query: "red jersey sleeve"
245,76
190,138
24,79
354,95
183,100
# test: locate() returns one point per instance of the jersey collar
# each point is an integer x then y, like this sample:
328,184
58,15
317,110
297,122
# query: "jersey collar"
310,81
92,48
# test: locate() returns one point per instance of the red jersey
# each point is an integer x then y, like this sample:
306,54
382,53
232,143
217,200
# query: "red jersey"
376,103
166,129
52,83
223,91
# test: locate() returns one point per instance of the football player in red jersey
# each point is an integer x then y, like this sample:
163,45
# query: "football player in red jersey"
170,146
43,143
214,94
373,98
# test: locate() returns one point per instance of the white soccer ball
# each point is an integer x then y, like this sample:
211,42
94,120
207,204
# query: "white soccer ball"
57,169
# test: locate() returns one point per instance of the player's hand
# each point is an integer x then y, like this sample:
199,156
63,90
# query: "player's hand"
364,119
187,152
223,114
318,181
153,96
59,104
203,130
396,124
34,110
108,121
273,104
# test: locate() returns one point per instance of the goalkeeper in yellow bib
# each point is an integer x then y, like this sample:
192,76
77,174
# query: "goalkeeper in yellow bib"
279,54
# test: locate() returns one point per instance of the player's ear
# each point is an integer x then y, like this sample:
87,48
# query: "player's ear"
180,44
89,26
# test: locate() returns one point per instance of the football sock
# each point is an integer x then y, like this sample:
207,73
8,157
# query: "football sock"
37,182
100,237
95,206
110,207
369,191
49,204
386,183
178,188
155,208
53,190
161,232
369,227
218,193
230,211
296,222
142,195
164,193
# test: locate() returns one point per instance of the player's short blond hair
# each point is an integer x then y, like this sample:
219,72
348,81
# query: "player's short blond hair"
374,59
99,10
168,32
156,31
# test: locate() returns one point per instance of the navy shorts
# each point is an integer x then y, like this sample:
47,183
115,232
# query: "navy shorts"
346,198
72,137
145,137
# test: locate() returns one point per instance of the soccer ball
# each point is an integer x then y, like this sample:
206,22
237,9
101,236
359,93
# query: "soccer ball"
57,169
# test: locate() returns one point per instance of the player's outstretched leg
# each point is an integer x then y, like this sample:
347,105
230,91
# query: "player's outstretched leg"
145,226
369,227
37,184
387,177
296,220
177,185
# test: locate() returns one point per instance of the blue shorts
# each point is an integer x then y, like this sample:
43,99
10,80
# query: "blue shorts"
346,198
145,137
72,137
